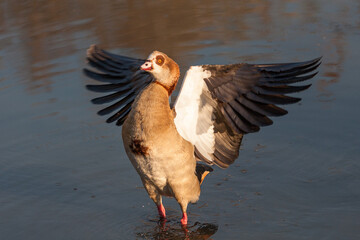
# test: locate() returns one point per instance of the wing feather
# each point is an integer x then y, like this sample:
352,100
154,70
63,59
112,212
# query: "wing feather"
125,81
240,98
261,108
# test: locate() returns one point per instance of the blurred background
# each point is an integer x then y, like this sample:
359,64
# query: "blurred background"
63,170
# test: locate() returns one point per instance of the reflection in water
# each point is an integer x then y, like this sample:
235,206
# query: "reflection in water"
173,230
333,68
49,30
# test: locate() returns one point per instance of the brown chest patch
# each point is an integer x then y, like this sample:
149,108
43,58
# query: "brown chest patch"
168,89
137,146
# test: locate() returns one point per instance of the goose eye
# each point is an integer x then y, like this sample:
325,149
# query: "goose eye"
160,60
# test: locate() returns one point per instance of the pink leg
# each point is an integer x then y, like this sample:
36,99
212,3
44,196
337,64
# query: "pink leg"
184,219
161,211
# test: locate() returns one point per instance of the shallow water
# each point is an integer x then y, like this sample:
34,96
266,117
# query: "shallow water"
63,170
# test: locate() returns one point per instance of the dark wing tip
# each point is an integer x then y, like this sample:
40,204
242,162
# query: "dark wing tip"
91,87
86,71
315,60
121,73
282,70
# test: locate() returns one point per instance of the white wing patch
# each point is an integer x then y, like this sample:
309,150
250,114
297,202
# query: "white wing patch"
194,109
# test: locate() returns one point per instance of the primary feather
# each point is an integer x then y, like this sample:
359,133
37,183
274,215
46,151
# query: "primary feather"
218,104
125,79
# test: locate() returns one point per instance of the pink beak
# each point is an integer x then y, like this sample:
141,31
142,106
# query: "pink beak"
147,66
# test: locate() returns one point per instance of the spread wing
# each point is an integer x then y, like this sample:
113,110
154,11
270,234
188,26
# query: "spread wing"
124,81
218,104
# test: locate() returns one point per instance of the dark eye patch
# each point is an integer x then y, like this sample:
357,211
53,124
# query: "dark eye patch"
160,60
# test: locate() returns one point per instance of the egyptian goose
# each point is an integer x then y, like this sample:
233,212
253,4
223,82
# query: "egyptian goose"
216,106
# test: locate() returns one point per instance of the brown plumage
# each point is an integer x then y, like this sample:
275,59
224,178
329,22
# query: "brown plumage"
216,106
167,169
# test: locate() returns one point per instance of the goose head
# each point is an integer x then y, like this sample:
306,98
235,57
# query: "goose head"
165,70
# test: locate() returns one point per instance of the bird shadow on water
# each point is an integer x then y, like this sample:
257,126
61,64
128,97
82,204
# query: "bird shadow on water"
172,229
